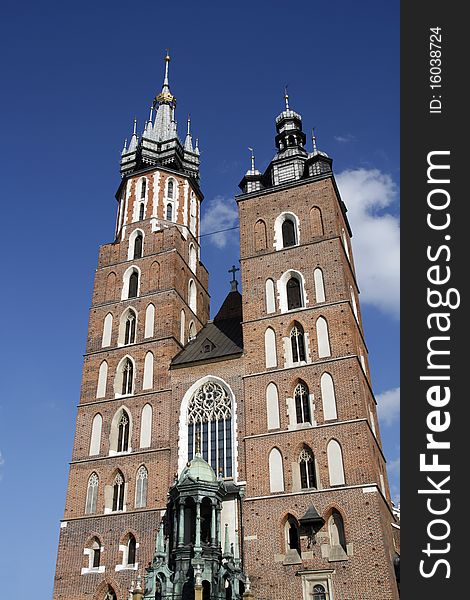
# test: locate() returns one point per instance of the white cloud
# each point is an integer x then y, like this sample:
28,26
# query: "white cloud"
388,406
376,236
343,139
220,213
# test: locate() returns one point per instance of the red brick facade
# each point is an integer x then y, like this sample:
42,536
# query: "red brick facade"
364,571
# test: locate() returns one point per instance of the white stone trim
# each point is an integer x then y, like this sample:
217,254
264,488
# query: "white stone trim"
282,290
278,241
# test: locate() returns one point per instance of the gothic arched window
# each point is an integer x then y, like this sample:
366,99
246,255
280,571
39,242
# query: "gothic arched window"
123,433
95,556
138,246
319,592
297,340
170,189
336,530
141,487
210,421
127,377
288,233
294,293
91,494
293,537
118,492
260,235
143,188
302,403
129,329
133,284
141,211
131,548
169,212
308,478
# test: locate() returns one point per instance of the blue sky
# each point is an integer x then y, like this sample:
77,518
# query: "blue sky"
74,76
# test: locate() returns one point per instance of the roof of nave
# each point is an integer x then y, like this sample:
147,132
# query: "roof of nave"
220,338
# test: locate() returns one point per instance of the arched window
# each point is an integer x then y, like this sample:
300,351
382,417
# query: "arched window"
192,214
319,285
141,484
192,295
155,275
148,372
276,471
316,221
335,463
146,426
270,297
270,348
149,320
102,377
272,406
319,592
141,215
353,302
192,330
95,441
107,330
297,341
110,594
118,492
129,327
209,419
336,530
95,554
260,235
143,188
169,212
138,244
302,403
328,397
294,293
323,339
131,548
123,433
170,189
308,477
110,289
125,378
182,327
293,534
92,494
133,285
289,237
192,258
345,243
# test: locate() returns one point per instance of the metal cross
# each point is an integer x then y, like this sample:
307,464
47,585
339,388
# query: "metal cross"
233,270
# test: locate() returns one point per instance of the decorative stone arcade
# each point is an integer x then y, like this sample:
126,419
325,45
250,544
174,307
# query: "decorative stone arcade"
189,562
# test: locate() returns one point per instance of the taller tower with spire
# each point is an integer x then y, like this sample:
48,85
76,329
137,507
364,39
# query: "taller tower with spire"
218,459
150,297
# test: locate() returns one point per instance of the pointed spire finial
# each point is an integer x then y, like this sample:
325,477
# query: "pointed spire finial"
233,282
196,148
135,126
252,160
286,97
124,150
151,114
189,124
314,140
167,62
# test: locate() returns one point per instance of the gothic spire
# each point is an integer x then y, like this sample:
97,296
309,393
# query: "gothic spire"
165,126
188,142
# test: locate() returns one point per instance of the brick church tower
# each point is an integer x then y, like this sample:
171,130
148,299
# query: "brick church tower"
237,456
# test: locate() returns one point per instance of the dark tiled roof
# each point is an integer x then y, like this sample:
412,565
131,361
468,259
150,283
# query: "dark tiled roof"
220,338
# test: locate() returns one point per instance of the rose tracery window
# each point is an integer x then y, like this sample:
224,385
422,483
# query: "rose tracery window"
210,421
